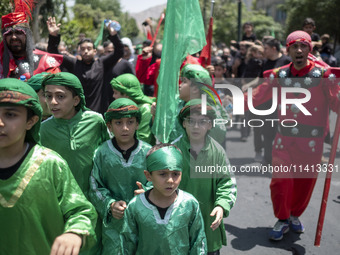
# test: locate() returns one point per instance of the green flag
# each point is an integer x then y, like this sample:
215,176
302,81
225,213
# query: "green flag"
183,34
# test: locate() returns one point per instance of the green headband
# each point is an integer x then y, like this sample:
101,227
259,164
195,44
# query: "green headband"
165,158
36,80
16,92
197,74
67,80
195,106
122,108
130,85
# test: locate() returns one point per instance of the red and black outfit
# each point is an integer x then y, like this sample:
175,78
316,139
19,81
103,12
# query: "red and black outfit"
299,148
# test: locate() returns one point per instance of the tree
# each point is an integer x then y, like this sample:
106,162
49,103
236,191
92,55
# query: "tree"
5,7
324,12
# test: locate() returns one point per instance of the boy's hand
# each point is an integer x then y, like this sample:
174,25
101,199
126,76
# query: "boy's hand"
218,211
66,244
140,189
117,209
52,26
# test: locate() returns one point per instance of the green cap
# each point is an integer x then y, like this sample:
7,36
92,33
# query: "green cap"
197,74
195,106
130,85
36,80
122,108
168,157
16,92
67,80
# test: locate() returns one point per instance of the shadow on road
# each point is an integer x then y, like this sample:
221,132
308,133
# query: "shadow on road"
246,239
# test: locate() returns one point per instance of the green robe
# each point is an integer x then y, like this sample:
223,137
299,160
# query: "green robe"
144,129
40,202
113,179
181,232
209,191
76,141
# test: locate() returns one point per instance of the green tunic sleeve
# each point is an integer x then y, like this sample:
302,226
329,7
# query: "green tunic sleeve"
144,129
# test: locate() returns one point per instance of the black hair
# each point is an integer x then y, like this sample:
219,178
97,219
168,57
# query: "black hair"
273,43
106,43
73,91
220,63
30,113
249,24
88,40
308,21
159,146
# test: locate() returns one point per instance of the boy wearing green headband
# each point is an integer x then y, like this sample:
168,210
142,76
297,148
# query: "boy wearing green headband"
35,83
41,204
216,193
117,173
74,131
163,220
128,86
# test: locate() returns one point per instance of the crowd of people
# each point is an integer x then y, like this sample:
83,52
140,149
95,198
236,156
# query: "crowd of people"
82,172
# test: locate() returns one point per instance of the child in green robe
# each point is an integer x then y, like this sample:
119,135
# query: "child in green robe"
216,192
73,131
128,86
42,209
163,220
118,167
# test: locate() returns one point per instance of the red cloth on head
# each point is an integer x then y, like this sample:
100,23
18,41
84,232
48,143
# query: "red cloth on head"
12,19
299,36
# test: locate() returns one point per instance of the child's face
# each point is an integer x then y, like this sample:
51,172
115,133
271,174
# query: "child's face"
123,129
117,94
42,100
258,54
308,28
197,126
248,29
13,126
165,182
184,89
61,102
219,71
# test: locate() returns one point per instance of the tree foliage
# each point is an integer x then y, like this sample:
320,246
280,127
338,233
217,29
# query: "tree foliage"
226,21
324,12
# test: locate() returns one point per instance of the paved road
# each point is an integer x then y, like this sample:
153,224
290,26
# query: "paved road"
252,216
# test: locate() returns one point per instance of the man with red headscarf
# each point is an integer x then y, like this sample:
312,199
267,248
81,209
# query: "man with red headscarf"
298,145
17,54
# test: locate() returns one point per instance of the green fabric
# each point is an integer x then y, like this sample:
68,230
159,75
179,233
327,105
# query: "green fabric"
144,129
209,191
181,232
67,80
130,85
100,36
197,74
50,205
119,108
194,106
165,158
76,141
183,34
36,80
113,179
14,91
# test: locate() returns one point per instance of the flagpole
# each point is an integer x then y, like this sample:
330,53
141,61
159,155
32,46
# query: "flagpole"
327,182
212,8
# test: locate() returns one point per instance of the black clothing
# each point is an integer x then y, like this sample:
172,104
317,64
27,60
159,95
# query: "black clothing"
92,75
126,153
251,38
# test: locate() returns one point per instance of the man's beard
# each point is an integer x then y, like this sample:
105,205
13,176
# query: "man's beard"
18,49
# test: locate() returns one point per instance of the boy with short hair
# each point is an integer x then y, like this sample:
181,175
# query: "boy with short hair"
41,205
128,86
216,193
118,170
74,131
163,220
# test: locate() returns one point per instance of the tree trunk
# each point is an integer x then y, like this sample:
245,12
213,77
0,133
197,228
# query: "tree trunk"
35,21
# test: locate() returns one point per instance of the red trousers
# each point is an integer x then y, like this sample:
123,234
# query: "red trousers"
292,190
